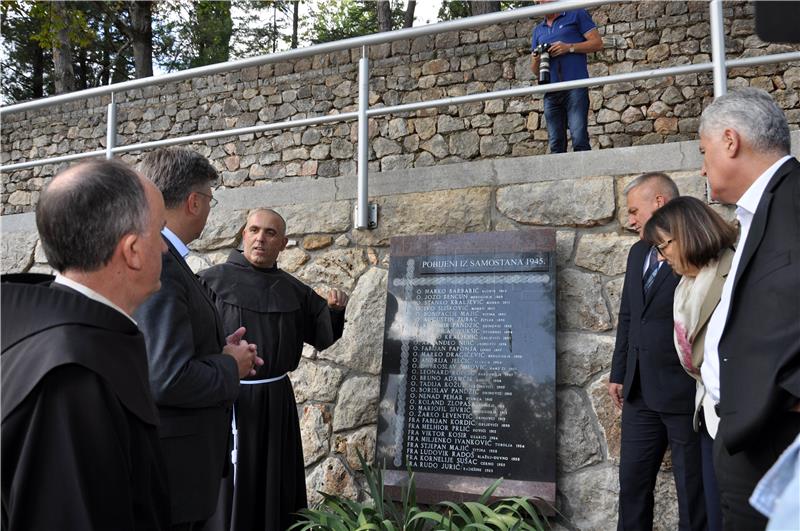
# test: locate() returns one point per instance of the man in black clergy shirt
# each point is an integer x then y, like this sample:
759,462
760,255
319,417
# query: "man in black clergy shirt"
194,370
79,443
647,381
280,314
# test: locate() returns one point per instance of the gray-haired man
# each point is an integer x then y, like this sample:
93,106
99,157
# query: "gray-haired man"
752,347
647,381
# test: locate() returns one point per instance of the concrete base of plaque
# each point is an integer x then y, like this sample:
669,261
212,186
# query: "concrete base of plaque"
468,380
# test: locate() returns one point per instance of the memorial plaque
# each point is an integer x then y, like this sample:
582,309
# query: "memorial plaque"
468,379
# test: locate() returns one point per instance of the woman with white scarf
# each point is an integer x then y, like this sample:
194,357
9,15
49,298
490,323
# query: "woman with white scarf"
698,245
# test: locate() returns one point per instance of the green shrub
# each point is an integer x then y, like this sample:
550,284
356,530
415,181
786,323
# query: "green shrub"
335,513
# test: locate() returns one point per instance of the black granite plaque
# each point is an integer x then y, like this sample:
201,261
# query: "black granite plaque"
468,379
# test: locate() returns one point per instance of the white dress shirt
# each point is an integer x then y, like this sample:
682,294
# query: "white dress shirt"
90,293
745,210
176,242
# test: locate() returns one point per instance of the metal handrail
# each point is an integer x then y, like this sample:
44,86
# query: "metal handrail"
317,49
718,66
408,107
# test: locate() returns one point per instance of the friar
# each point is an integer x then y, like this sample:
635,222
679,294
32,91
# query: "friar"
80,448
280,313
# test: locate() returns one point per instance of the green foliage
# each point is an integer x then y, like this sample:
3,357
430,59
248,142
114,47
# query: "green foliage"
49,24
454,9
334,20
190,34
23,71
30,30
212,32
262,27
340,514
340,19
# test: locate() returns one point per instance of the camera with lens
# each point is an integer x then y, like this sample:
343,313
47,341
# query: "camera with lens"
543,52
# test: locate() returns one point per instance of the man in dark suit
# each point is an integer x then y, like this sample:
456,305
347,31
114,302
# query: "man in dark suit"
752,347
194,370
647,381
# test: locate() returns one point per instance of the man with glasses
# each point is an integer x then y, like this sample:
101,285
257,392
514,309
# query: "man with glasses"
194,369
647,381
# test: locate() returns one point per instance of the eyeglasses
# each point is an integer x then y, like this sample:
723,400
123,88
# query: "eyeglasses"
213,202
660,247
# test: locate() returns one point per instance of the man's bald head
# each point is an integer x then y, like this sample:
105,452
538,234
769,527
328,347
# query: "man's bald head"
85,211
264,237
267,211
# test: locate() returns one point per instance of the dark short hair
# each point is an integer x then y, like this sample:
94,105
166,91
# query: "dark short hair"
701,233
663,183
177,173
80,222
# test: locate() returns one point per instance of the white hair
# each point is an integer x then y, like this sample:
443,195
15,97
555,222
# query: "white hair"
754,115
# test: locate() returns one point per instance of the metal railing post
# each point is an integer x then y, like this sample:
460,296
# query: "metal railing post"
718,48
111,128
362,221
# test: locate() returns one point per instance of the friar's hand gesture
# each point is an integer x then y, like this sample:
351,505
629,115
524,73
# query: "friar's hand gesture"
243,352
337,299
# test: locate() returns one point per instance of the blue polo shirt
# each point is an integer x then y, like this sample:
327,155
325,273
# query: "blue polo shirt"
569,27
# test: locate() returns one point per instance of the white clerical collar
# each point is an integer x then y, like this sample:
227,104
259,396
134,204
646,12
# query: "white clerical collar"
176,242
90,293
750,199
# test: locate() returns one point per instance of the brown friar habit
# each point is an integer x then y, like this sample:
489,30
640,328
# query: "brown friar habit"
280,314
79,443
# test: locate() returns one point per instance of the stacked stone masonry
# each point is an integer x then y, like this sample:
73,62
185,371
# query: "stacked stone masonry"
337,389
637,36
462,169
579,195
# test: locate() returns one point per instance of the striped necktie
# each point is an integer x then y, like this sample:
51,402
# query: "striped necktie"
652,270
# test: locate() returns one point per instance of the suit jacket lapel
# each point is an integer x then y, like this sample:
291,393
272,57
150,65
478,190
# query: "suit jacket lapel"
188,270
757,227
759,223
639,283
715,290
663,272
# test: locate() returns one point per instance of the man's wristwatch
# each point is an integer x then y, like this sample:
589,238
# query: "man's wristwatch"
571,48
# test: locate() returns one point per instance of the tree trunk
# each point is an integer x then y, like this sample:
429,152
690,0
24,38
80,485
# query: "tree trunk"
37,80
62,51
481,8
408,19
142,36
105,59
274,28
295,23
82,75
384,15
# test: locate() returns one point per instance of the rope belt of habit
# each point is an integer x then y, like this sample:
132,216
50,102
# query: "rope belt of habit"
235,430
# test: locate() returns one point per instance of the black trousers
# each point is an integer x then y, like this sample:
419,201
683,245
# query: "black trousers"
739,473
645,437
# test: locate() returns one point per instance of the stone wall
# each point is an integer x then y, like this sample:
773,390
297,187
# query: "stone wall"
337,390
637,36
